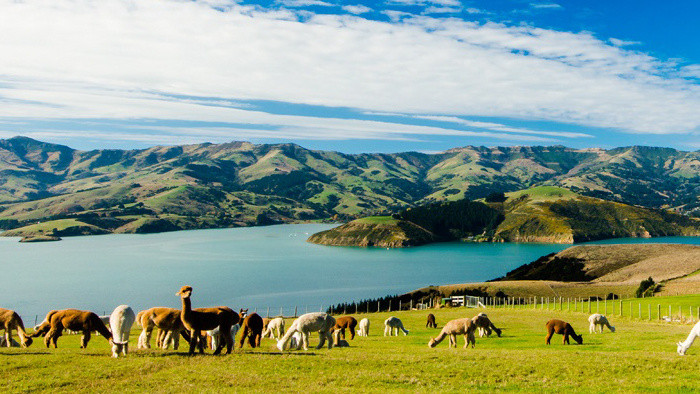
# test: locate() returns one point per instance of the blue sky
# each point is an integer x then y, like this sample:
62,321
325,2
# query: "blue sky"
355,76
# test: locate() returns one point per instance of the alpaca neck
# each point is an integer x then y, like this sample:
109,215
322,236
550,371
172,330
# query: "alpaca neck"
440,337
186,308
689,341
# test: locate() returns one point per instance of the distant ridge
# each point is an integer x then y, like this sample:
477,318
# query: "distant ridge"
243,184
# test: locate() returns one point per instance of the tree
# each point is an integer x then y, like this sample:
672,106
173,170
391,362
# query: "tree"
496,197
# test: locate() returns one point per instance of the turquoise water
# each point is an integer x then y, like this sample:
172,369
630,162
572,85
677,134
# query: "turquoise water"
256,267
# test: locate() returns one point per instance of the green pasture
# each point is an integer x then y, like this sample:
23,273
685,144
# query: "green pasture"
640,356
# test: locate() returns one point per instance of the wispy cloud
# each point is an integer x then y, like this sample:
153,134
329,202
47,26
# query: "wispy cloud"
357,9
305,3
622,43
117,59
551,6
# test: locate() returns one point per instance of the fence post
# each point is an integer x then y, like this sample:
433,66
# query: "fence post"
295,311
268,312
649,311
670,313
411,304
597,305
620,307
680,313
377,306
399,305
321,309
658,311
640,311
589,304
605,305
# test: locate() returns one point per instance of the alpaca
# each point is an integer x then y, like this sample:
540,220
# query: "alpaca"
485,326
10,320
364,328
596,321
274,328
74,320
307,323
392,326
295,341
683,346
344,322
168,323
13,343
204,319
252,328
562,328
214,336
431,321
121,320
464,326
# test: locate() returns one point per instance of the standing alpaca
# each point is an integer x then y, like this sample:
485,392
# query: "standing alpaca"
485,326
598,321
204,319
74,320
274,328
317,321
344,322
392,326
10,320
562,328
168,323
683,346
252,328
364,328
464,326
121,320
431,321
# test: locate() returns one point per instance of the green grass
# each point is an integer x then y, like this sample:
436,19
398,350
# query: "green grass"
640,356
378,219
544,193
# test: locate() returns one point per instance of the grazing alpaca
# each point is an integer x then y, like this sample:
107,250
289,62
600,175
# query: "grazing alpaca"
295,341
168,323
464,326
74,320
364,328
392,326
431,321
694,333
274,328
562,328
344,322
485,326
204,319
121,320
318,321
599,321
10,320
252,328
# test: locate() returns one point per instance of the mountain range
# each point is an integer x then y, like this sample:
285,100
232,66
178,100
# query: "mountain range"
239,183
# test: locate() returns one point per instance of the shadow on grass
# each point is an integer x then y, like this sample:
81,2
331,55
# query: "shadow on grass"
23,353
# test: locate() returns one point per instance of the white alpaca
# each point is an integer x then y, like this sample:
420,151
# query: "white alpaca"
215,335
597,322
275,328
392,326
295,341
311,322
121,321
694,333
364,328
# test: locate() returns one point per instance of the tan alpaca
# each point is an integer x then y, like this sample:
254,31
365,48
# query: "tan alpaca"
10,320
205,319
168,323
456,327
273,328
74,320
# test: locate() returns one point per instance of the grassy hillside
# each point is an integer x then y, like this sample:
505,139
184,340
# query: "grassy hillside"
640,356
379,231
240,183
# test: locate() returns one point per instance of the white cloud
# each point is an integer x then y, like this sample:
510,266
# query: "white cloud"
441,10
305,3
546,5
472,10
118,59
622,43
357,9
426,2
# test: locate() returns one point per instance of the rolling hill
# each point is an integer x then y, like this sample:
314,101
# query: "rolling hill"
242,184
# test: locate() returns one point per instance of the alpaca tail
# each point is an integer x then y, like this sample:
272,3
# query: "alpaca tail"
282,343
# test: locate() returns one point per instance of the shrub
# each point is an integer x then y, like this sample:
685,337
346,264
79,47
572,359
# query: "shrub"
646,288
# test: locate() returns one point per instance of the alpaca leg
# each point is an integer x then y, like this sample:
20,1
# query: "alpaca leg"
305,340
466,341
322,336
549,337
8,337
566,339
84,339
194,334
165,341
592,328
176,340
386,329
352,333
125,349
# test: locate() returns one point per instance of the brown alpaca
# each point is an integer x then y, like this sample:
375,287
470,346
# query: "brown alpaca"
266,322
485,326
456,327
562,328
252,328
168,323
74,320
205,319
344,322
431,321
10,320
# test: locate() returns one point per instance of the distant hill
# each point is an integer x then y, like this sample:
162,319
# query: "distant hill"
242,184
541,214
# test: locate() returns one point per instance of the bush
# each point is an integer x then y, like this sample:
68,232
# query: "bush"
496,197
646,288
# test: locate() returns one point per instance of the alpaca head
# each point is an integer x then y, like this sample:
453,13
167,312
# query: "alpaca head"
280,345
432,343
578,339
185,292
498,331
118,347
27,342
612,328
243,312
681,349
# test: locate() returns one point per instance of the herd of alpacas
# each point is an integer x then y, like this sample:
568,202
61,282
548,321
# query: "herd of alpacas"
216,327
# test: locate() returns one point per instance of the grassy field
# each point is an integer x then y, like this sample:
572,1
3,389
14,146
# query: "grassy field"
640,356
